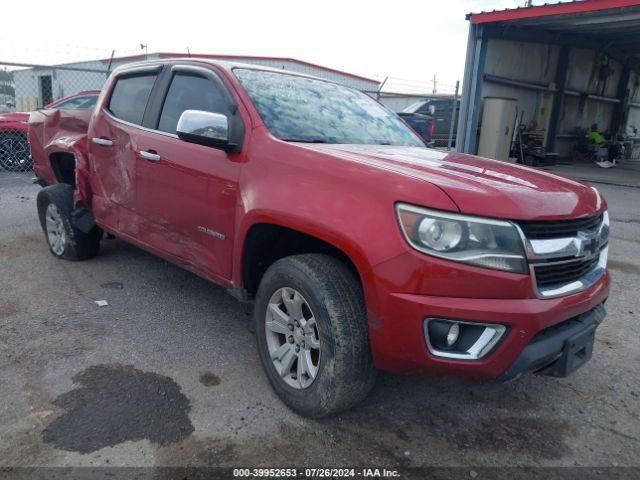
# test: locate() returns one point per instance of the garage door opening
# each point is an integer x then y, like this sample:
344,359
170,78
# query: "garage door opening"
573,73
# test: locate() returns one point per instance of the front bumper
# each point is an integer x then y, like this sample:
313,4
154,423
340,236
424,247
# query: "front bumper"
561,349
399,345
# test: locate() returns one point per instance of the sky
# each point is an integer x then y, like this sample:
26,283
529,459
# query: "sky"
405,40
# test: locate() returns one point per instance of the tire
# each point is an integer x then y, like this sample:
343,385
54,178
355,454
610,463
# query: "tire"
15,155
55,205
337,349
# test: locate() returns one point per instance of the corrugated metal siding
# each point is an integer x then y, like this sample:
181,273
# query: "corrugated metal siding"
536,63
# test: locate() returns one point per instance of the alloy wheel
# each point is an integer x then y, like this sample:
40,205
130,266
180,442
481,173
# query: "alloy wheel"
55,229
293,338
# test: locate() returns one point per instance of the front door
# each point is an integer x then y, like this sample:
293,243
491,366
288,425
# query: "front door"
188,192
112,144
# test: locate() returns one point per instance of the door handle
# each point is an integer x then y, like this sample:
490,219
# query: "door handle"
105,142
151,156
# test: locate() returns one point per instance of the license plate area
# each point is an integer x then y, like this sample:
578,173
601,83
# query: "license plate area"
576,351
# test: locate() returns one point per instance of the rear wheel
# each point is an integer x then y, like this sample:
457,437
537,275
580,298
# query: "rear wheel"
55,205
14,152
312,334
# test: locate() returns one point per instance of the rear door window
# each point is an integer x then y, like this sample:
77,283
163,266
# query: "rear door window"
190,92
130,96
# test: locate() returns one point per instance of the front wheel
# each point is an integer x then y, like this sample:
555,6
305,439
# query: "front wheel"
55,205
312,334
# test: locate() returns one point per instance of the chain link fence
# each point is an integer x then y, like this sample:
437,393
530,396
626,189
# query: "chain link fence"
27,87
433,116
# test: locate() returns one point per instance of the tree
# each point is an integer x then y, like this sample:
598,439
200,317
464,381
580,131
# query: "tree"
6,76
6,89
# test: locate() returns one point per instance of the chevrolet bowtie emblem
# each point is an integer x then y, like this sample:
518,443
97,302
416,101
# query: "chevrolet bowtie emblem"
589,244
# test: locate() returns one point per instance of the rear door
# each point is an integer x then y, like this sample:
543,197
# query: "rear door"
112,146
188,192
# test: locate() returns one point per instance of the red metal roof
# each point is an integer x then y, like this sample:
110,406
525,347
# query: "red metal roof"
567,8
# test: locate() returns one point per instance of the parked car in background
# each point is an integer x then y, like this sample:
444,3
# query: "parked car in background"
361,249
423,124
14,146
440,110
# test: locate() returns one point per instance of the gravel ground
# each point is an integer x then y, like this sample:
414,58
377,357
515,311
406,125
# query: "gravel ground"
168,374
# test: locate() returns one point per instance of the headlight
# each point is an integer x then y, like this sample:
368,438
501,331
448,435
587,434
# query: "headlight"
477,241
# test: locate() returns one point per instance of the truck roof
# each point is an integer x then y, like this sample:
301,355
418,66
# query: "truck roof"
226,65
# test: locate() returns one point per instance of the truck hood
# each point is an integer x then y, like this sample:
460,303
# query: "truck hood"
480,186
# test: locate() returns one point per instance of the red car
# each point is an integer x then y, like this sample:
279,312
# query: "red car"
361,249
14,148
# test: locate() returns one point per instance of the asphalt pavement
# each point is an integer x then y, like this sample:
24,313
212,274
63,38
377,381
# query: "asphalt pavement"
168,374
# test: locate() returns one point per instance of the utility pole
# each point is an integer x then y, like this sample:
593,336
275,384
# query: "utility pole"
454,112
435,83
143,46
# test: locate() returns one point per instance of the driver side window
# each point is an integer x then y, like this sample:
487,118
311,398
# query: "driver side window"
190,92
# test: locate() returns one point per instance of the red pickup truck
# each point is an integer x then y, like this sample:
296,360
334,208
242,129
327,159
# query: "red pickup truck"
361,249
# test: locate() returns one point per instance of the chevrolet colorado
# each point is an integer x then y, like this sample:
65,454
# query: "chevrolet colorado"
361,249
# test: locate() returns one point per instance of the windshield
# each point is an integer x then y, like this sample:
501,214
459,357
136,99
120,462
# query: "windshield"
301,109
413,108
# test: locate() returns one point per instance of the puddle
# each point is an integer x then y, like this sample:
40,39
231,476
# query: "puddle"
209,379
115,404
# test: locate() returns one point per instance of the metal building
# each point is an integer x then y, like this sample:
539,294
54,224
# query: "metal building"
35,87
567,65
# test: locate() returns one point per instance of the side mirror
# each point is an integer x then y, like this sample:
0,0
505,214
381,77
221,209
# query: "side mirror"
204,128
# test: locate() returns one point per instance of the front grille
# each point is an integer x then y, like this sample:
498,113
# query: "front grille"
559,229
562,273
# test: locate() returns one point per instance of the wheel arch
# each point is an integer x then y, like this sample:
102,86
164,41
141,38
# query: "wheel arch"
63,165
265,239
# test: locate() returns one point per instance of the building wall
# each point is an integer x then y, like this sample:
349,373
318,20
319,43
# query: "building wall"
525,62
634,97
63,82
66,82
536,64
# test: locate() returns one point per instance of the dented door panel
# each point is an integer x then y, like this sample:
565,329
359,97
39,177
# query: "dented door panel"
113,166
189,198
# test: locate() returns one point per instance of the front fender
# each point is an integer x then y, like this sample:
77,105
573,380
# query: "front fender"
58,131
348,205
327,234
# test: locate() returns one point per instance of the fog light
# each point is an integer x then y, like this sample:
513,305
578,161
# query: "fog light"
454,333
461,340
443,333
